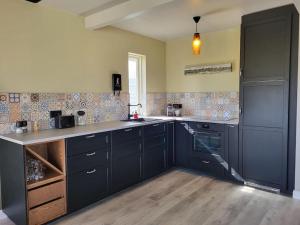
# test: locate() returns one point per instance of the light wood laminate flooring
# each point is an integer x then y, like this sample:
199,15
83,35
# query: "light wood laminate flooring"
184,198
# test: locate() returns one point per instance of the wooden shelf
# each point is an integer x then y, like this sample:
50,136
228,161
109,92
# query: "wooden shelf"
52,156
50,177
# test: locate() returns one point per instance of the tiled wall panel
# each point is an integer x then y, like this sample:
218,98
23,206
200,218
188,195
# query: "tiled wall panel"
105,107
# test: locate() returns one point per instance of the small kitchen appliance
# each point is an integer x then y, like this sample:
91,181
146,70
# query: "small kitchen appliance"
174,110
81,118
62,122
177,110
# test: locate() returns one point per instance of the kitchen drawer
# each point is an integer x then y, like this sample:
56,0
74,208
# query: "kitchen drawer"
86,161
47,212
207,156
87,187
154,129
127,148
197,126
125,135
87,143
210,167
46,194
154,141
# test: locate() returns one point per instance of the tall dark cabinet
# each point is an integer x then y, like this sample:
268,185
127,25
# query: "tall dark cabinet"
268,90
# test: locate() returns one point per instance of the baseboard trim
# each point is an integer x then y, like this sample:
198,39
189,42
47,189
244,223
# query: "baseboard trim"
296,194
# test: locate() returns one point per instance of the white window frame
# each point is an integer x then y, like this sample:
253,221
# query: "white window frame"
141,80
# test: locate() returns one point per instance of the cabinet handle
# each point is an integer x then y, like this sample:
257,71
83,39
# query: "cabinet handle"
206,162
155,125
91,172
91,136
127,130
206,126
141,166
91,154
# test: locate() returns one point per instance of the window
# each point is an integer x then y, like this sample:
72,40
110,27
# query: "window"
137,82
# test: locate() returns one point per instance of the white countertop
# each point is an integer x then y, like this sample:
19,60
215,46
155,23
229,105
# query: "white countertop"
58,134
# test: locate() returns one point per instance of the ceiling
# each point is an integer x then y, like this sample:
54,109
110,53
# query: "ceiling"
168,20
81,7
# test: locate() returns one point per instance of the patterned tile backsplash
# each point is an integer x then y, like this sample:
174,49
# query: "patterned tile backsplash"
208,105
36,106
105,106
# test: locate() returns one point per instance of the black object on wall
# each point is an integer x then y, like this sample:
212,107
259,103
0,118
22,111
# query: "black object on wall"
34,1
117,84
268,90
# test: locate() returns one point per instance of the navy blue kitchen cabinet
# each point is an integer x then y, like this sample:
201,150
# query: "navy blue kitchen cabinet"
268,97
171,144
155,149
126,158
182,143
232,149
88,165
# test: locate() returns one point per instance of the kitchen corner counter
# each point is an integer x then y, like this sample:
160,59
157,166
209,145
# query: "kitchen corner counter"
197,119
58,134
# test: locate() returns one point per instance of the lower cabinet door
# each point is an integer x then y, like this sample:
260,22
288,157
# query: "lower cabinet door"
183,141
126,170
87,187
171,145
154,161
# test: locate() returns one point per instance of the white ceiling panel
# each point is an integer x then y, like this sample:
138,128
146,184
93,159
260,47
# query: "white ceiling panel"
173,19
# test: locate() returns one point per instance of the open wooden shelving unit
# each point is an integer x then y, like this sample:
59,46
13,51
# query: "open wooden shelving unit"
47,196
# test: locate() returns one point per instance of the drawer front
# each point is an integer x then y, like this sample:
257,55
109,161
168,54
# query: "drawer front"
47,212
134,147
46,194
207,166
87,143
154,141
87,187
122,136
154,129
86,161
198,126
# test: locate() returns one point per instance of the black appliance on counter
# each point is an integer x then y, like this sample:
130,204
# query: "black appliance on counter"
62,122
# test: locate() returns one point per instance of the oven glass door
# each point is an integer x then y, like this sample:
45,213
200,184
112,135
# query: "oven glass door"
208,142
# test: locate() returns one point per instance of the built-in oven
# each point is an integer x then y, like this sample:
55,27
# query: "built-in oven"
207,153
208,138
208,142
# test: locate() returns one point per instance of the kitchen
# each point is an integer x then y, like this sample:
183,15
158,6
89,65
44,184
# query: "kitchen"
111,113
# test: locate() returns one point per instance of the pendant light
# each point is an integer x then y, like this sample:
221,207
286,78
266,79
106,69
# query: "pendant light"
196,39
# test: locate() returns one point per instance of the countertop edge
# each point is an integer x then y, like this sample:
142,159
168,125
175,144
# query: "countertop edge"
65,136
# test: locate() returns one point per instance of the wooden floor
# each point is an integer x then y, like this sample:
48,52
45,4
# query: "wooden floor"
183,198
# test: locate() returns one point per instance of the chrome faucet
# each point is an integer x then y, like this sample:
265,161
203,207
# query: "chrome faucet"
129,105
